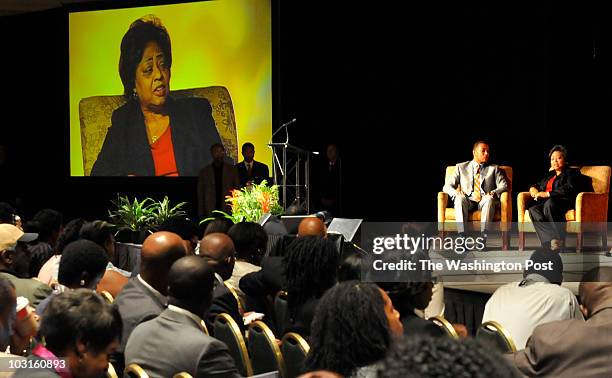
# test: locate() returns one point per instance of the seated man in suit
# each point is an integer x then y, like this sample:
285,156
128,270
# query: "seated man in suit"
476,185
190,287
15,263
218,251
574,348
539,298
249,170
144,296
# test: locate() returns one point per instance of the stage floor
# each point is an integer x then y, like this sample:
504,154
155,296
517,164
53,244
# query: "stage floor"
486,281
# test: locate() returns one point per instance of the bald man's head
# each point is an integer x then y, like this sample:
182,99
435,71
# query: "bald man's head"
159,251
312,226
218,250
191,283
596,289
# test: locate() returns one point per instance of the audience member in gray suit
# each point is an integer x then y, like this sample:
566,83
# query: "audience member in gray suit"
476,185
144,296
190,286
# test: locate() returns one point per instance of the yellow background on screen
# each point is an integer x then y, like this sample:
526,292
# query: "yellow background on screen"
224,42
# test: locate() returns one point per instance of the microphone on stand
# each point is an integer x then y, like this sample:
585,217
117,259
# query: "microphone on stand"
284,125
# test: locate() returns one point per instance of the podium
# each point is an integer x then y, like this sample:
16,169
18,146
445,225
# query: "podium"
291,172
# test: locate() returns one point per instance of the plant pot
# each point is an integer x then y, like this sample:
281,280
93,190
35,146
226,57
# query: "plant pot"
131,236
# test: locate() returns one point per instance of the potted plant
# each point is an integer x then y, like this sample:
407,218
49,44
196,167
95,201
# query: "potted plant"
132,218
162,211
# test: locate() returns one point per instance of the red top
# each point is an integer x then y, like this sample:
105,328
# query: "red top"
163,155
550,182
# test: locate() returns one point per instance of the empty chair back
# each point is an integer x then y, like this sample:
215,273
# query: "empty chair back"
263,349
294,349
135,371
228,331
496,336
281,309
182,375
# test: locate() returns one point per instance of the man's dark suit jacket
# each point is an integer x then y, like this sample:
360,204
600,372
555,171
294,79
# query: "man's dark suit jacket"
268,281
223,302
191,350
136,304
569,348
126,149
413,325
259,172
207,188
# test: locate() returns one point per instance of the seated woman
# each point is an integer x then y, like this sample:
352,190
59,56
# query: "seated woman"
553,196
154,134
352,330
80,331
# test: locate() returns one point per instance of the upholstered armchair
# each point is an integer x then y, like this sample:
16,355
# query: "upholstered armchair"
590,213
95,118
502,218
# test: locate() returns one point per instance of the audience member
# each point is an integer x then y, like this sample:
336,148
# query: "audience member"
187,229
249,170
190,287
351,268
310,269
70,232
331,182
215,182
7,213
15,263
312,226
48,224
218,250
442,357
144,296
574,348
81,267
352,329
79,328
250,242
221,225
101,233
537,299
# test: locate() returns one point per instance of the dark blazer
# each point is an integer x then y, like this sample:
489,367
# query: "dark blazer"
413,325
567,185
299,319
136,304
223,301
173,343
259,172
126,149
268,281
569,348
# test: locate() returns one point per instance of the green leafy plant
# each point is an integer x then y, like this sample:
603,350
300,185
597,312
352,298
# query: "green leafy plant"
251,202
133,215
162,211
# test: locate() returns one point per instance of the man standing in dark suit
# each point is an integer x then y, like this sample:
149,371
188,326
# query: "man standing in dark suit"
215,182
190,286
574,348
249,170
144,296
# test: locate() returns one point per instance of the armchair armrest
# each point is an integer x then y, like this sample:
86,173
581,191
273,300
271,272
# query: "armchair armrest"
505,200
592,207
442,203
522,200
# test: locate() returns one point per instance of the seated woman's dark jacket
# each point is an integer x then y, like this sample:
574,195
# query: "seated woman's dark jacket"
126,149
567,185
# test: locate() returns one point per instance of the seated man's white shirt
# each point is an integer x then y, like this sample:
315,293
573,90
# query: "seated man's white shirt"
519,309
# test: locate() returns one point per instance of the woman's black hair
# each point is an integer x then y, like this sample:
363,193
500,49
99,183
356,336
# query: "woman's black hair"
78,257
559,148
351,268
146,29
79,315
98,231
433,357
311,264
250,241
350,329
70,233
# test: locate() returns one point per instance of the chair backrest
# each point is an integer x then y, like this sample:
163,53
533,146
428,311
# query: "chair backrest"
263,349
227,330
236,296
135,371
182,375
295,349
600,177
446,326
110,372
95,119
505,168
281,309
107,296
496,336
